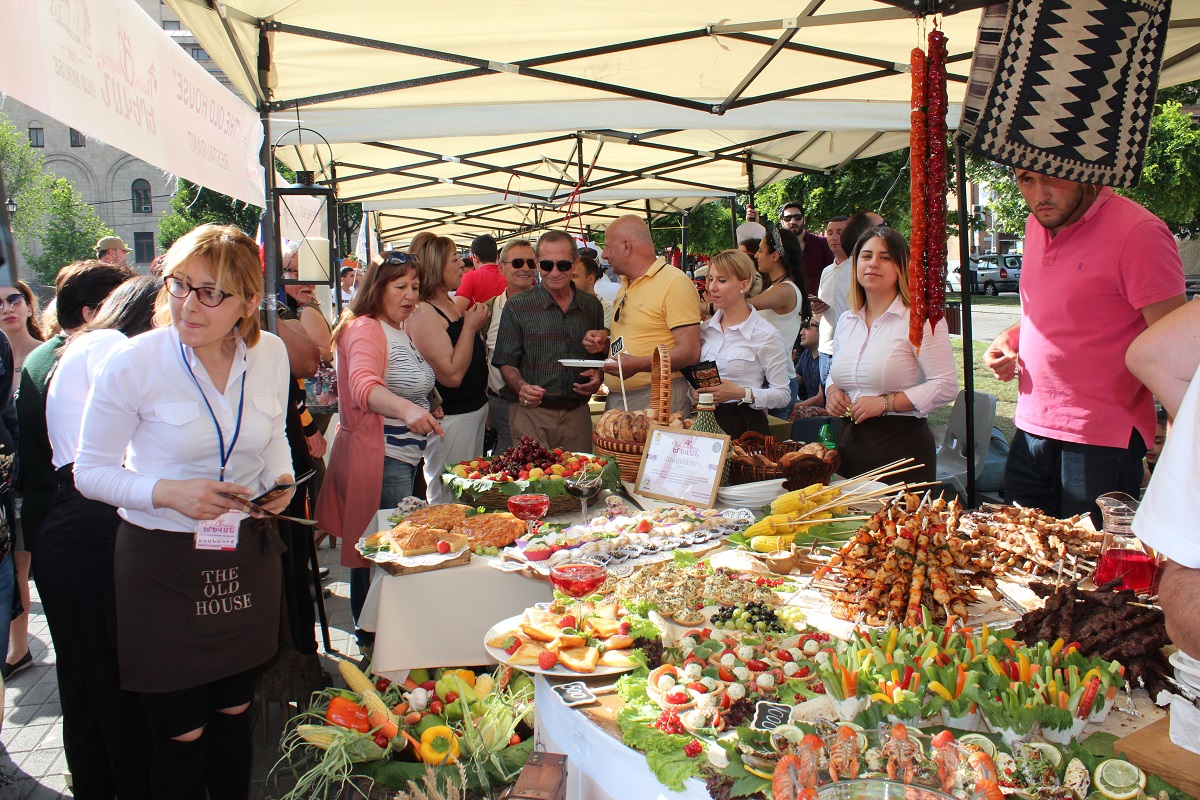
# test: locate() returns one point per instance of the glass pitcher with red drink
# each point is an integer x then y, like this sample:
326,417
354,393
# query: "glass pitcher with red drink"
1122,554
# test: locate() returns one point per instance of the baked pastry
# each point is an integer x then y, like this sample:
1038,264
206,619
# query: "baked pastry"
491,530
447,517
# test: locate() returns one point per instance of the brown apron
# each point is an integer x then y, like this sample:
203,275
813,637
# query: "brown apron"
188,617
877,441
737,418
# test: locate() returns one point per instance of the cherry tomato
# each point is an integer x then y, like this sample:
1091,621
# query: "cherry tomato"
381,740
382,684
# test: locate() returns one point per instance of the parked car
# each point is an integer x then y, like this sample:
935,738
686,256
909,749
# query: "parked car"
991,273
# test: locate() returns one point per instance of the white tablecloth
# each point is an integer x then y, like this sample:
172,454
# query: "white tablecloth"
440,618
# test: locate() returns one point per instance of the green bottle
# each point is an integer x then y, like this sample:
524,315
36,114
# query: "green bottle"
825,437
705,421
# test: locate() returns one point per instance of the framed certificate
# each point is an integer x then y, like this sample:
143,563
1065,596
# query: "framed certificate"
682,466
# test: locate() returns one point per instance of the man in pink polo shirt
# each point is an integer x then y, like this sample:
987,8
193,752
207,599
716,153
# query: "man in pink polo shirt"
485,281
1098,270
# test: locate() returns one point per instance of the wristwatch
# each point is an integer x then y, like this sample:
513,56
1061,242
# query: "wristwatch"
748,399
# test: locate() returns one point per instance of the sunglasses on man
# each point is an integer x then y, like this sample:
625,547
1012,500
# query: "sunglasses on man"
561,266
791,217
520,263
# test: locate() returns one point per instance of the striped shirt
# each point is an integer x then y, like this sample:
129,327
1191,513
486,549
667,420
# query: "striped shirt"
535,333
408,376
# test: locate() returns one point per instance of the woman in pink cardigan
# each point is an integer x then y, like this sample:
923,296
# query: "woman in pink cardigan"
384,389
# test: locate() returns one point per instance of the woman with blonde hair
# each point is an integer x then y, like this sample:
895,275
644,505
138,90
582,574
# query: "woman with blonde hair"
197,580
885,385
384,416
746,348
450,341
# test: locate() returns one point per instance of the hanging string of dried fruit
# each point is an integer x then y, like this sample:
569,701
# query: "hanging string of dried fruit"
936,175
916,195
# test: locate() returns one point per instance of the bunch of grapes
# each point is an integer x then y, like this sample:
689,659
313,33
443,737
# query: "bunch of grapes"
653,648
753,617
527,451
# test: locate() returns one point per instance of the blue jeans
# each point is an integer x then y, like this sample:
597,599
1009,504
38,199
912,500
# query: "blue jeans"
8,587
786,411
397,485
824,362
1065,478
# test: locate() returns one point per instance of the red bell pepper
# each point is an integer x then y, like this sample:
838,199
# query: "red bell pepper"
347,714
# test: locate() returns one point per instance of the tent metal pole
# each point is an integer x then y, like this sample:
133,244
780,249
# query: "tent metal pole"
733,220
968,345
683,242
649,217
269,222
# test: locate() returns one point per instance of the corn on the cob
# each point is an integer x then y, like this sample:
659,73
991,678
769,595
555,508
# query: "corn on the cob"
484,685
769,544
761,528
321,736
375,705
355,680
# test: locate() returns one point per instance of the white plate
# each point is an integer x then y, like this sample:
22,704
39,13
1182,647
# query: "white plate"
1186,664
582,363
513,623
754,494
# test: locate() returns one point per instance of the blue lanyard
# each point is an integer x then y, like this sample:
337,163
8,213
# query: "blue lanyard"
237,430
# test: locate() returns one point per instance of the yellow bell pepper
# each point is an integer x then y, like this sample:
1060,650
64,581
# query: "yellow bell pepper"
466,674
439,745
940,690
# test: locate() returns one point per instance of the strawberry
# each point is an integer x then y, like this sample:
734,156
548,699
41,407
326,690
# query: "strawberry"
443,546
643,526
676,698
547,659
624,628
511,645
568,622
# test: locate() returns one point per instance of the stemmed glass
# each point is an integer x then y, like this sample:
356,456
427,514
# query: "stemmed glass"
587,486
578,580
529,507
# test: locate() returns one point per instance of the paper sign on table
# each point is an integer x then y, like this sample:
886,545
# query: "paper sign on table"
682,466
575,693
769,716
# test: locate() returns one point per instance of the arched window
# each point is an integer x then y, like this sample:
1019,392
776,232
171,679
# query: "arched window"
141,197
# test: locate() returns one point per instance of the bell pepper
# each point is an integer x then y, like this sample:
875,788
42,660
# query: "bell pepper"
347,714
439,745
940,690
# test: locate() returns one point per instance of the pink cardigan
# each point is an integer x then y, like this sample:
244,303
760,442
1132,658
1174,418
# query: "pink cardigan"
354,479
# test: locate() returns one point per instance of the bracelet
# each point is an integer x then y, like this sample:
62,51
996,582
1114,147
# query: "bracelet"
887,404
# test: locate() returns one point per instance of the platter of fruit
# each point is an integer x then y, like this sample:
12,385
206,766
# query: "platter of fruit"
590,640
527,468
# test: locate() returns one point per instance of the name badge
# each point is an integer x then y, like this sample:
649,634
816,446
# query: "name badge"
220,533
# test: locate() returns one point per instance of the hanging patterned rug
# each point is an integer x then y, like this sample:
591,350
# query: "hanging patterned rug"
1066,87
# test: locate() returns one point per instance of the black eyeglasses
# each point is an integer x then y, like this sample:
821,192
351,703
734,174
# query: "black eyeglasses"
12,301
561,266
791,217
523,262
210,296
397,258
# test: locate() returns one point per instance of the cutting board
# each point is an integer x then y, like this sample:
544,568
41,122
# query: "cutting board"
1152,750
398,569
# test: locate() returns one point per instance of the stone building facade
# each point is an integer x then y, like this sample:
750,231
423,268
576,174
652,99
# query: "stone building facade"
128,194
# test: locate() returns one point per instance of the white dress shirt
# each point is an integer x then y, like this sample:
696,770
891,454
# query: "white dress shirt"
881,360
66,396
495,381
146,421
835,292
749,354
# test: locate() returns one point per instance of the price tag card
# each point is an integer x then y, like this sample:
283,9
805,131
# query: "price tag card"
617,346
575,693
682,466
220,533
769,716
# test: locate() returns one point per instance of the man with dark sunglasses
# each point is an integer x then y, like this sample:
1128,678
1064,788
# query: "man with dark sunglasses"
817,254
657,305
538,328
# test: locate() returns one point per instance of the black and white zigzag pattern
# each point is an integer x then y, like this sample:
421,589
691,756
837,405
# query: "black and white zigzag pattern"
1066,87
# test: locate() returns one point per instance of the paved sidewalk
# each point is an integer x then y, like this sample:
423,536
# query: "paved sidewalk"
32,733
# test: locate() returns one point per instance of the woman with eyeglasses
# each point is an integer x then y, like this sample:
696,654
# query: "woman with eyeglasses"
745,347
19,322
105,731
785,302
384,415
183,425
878,379
451,342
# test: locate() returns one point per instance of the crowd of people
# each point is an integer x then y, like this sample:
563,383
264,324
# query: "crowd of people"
157,405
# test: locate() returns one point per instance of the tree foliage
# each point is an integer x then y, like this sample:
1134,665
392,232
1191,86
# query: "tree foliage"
193,205
27,182
72,230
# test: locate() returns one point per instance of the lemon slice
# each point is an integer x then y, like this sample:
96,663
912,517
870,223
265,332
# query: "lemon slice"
1051,753
1119,780
757,772
979,740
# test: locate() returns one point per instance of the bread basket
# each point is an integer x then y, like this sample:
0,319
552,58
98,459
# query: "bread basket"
628,452
800,472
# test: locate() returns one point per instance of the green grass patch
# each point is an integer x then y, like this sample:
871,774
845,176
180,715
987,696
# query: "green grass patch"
1006,393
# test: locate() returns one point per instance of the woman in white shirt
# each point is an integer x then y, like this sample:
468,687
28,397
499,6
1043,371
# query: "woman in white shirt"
878,378
105,732
780,258
182,424
747,349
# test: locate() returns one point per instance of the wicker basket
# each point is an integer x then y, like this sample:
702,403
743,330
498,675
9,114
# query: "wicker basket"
628,455
498,501
804,472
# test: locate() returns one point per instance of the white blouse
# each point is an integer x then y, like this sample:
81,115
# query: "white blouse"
749,354
66,396
881,360
146,420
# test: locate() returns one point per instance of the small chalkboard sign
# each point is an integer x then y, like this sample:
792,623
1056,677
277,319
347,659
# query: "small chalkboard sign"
769,716
575,694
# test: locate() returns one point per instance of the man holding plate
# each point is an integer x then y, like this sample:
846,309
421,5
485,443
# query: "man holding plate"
538,329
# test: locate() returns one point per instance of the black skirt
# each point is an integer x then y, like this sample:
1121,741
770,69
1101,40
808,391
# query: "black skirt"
872,443
737,418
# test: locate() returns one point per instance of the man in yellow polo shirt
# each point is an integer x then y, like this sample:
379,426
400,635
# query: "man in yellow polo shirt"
657,304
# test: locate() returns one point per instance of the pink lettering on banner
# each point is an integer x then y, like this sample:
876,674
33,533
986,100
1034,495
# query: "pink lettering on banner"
209,108
123,91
